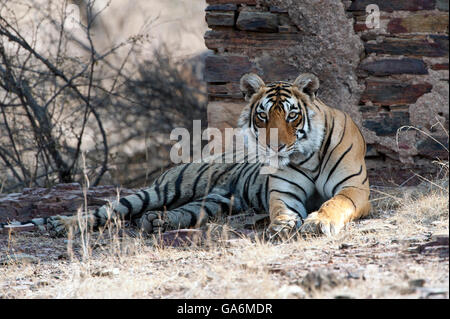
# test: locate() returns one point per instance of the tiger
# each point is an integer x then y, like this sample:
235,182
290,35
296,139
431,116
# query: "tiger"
319,186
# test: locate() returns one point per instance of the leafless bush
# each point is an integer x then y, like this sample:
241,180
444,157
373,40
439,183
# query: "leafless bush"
149,105
57,102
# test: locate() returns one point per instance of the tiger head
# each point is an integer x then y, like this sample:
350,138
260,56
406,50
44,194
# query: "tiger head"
288,107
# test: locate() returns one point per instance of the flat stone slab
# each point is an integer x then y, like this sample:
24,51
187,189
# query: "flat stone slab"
257,21
17,228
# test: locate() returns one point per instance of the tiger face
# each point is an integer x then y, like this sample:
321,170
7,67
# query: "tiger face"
286,107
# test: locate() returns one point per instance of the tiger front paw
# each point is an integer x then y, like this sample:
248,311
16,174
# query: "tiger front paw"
282,227
154,223
59,226
319,223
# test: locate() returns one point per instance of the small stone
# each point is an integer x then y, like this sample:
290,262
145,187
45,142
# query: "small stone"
355,275
42,283
413,250
345,246
406,290
275,268
63,256
416,283
320,280
111,272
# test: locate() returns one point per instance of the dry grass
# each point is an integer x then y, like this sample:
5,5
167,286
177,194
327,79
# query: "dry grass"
373,258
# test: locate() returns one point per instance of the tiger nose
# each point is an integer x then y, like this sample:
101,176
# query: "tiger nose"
274,147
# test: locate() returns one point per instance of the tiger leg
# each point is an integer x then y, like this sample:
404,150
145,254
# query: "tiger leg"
127,208
344,187
165,191
348,204
191,215
284,219
288,192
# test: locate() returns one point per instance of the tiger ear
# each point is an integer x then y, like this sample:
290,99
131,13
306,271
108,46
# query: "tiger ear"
307,83
250,84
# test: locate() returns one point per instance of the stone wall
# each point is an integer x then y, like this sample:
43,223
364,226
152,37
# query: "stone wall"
385,78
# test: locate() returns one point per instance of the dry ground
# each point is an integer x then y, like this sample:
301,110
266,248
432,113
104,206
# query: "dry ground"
400,251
